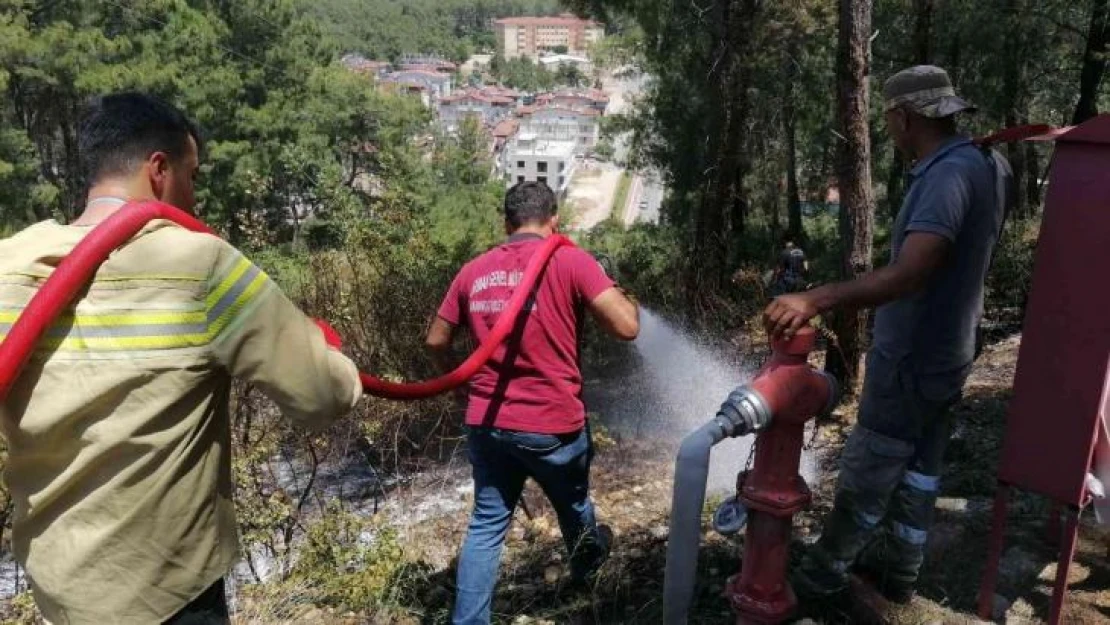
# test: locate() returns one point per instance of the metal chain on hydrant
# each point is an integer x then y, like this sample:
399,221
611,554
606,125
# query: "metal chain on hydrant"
747,468
832,342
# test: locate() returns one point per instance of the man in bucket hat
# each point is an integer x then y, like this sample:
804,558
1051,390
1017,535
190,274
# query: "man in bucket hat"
929,302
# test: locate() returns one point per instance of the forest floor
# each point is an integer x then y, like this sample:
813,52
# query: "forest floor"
632,489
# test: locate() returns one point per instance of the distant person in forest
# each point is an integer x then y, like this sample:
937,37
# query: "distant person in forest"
930,302
525,417
791,270
118,430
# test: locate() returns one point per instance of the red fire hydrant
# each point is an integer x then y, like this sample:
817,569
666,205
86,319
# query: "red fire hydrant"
772,490
785,394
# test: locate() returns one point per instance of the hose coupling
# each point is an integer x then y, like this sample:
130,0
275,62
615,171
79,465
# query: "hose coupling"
744,412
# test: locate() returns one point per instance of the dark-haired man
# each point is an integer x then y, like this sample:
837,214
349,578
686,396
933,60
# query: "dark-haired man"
118,430
525,415
930,301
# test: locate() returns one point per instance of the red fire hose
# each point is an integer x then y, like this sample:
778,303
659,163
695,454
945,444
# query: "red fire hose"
500,331
72,274
77,269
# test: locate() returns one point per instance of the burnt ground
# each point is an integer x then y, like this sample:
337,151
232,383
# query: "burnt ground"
632,490
631,487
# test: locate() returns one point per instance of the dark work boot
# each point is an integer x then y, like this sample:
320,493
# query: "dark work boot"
818,577
591,554
895,583
871,466
893,560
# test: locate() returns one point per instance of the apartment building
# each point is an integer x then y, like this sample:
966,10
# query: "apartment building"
431,86
529,36
364,66
489,105
554,122
584,98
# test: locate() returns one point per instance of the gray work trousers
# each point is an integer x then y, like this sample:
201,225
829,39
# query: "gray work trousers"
889,478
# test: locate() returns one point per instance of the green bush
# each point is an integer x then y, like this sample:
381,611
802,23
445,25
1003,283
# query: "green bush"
1011,275
323,234
646,259
355,563
20,610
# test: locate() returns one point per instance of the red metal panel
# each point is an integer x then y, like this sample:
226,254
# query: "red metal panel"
1062,362
1094,130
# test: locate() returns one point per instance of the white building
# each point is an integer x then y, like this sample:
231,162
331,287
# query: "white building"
528,158
552,63
476,63
433,86
576,99
579,126
364,66
489,105
430,62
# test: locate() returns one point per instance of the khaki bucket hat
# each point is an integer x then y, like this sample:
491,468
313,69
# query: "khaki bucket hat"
925,89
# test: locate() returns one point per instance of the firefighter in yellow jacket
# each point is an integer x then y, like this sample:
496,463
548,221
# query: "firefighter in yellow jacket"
118,429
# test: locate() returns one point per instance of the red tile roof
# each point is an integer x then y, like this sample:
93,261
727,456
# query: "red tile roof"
401,75
441,68
502,91
487,95
506,128
526,111
562,20
594,96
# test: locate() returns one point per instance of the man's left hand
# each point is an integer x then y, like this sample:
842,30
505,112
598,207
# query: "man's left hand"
788,313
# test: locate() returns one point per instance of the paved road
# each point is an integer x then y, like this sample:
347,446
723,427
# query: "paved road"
632,203
653,197
645,197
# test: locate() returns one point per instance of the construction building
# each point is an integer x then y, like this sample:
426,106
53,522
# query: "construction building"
529,158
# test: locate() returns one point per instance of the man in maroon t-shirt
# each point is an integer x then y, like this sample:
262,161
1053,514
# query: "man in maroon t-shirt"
525,416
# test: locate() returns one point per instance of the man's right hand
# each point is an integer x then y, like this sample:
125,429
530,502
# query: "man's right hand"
788,313
617,314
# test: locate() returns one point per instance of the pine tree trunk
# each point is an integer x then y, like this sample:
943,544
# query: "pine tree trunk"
709,220
895,183
736,161
922,55
1013,78
923,31
1016,155
724,205
1094,62
789,121
854,172
1032,184
774,210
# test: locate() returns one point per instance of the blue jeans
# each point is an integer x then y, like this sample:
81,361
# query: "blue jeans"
502,461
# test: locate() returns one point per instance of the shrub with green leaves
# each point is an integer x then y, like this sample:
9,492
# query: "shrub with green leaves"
355,563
